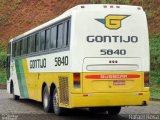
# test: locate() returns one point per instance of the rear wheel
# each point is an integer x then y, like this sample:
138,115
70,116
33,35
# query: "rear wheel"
15,97
47,102
114,110
57,110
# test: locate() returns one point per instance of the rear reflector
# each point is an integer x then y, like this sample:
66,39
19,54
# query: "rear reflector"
85,95
146,79
140,93
76,80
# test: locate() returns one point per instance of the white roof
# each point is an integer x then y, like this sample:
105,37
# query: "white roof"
91,7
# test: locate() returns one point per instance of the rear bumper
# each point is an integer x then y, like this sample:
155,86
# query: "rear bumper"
109,99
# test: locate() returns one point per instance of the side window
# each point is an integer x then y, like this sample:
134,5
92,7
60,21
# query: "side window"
66,33
18,48
53,37
21,47
42,41
33,44
29,44
25,46
37,41
60,35
14,49
47,38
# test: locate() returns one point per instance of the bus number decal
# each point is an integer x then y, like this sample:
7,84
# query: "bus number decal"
111,52
61,61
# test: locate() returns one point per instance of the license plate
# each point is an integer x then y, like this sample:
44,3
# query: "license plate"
119,82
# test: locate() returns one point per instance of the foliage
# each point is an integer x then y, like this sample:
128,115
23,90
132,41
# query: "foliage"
155,65
3,77
16,4
2,59
3,19
3,56
155,52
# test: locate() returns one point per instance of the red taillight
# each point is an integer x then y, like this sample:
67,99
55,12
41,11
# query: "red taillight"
146,79
76,80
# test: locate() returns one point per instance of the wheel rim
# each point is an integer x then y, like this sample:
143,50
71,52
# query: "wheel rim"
45,100
55,102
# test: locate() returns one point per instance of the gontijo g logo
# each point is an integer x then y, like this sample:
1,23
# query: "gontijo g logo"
113,22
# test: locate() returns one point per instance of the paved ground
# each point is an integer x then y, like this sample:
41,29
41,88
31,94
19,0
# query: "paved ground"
28,109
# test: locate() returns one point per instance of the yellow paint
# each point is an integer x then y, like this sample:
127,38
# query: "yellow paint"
114,21
103,85
101,92
109,99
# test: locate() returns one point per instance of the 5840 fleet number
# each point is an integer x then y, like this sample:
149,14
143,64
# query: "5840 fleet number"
113,52
61,61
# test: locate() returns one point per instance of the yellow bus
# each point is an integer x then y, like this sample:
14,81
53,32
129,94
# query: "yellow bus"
91,56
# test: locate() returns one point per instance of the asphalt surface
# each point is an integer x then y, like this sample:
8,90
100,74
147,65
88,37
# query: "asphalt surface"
24,109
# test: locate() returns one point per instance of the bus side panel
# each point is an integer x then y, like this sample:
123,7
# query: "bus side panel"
21,78
30,79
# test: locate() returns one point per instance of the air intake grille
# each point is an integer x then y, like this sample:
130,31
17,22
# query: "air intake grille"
64,91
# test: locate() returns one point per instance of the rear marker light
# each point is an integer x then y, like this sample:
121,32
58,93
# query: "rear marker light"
117,6
105,6
139,8
76,80
82,7
113,61
111,6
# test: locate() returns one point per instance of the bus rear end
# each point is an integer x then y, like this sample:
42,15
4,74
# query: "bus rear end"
110,56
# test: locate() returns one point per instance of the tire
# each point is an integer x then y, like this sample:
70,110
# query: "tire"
97,109
47,102
15,97
114,110
57,110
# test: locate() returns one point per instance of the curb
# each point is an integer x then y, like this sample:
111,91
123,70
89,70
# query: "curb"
3,86
155,99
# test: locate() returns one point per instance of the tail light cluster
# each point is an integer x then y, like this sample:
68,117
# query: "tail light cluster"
76,80
146,79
